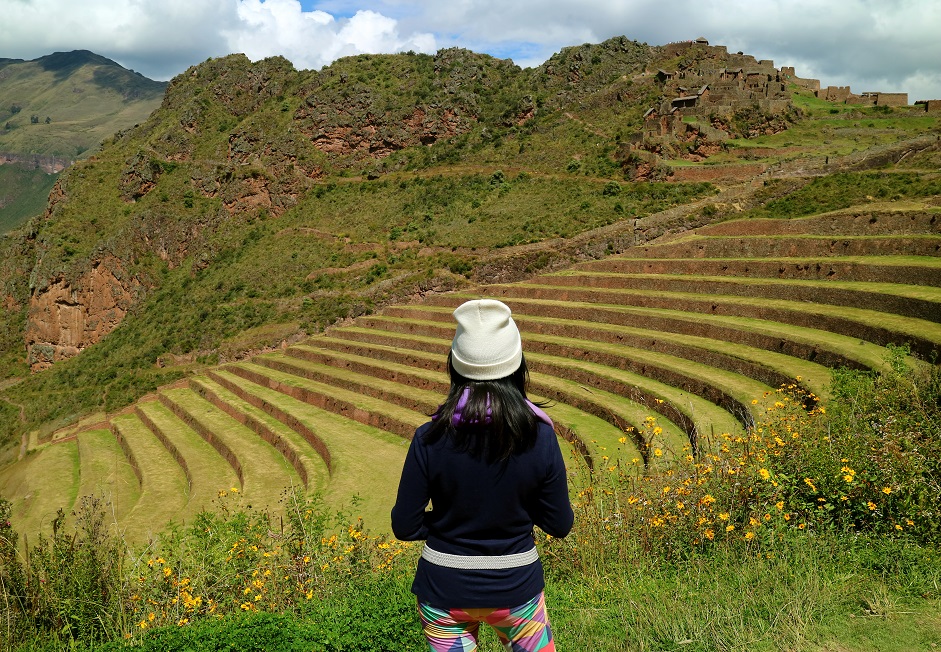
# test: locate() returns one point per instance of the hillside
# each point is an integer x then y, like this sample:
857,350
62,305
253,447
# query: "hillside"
57,109
63,104
259,205
23,194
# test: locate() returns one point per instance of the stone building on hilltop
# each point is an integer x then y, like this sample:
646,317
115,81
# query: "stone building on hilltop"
720,82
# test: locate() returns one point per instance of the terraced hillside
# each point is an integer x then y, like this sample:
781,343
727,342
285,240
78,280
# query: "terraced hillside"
648,353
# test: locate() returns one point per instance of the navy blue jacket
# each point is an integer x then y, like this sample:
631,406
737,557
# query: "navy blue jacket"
480,509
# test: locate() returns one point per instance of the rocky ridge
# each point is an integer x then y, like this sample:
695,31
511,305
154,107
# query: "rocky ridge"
238,141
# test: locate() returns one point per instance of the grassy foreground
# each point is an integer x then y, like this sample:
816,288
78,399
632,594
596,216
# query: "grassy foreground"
818,530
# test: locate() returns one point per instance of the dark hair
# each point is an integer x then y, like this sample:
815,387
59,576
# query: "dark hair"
495,421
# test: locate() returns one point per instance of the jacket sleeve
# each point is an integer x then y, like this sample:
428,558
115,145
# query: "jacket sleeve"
555,516
408,514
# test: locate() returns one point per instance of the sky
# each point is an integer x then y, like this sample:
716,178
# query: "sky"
869,45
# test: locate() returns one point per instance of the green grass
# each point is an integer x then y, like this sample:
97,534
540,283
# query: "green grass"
813,376
865,353
594,430
703,414
843,190
106,472
313,465
903,326
47,480
164,490
812,596
363,407
397,392
606,405
619,413
23,194
209,472
266,474
354,448
735,385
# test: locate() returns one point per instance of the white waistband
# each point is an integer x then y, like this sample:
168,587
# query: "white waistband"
480,562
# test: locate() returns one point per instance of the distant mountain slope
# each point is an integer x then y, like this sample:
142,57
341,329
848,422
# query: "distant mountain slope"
23,193
65,103
54,110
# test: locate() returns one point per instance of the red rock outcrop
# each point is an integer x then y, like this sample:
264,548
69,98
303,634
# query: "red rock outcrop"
65,317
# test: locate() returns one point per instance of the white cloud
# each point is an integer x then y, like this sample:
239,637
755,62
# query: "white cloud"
157,39
312,39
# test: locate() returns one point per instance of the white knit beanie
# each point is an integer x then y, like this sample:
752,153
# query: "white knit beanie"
487,343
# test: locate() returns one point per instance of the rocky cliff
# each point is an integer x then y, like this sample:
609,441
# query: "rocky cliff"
67,316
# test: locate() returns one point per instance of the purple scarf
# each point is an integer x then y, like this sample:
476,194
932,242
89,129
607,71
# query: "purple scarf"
457,419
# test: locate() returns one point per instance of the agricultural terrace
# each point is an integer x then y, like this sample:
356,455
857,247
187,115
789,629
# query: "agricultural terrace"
644,357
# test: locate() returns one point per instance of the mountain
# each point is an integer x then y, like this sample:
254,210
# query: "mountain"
57,109
260,203
65,103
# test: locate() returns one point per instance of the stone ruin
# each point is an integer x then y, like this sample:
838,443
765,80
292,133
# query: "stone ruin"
741,80
718,83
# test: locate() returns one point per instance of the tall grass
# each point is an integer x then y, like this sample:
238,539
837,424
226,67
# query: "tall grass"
818,527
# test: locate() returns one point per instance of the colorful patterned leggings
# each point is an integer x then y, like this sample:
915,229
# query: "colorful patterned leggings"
521,629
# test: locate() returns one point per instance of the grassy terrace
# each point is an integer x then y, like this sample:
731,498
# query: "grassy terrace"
896,298
406,359
105,471
351,374
263,471
911,270
864,324
626,342
620,397
207,472
309,464
356,451
556,351
349,403
823,347
633,354
46,482
774,246
164,488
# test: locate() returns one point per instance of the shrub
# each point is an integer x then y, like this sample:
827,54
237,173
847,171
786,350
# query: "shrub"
233,565
69,587
869,464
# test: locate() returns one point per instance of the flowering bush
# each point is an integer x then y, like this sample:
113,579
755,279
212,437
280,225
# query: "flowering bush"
233,560
870,462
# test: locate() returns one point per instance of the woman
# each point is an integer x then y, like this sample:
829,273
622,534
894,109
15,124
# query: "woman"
491,467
